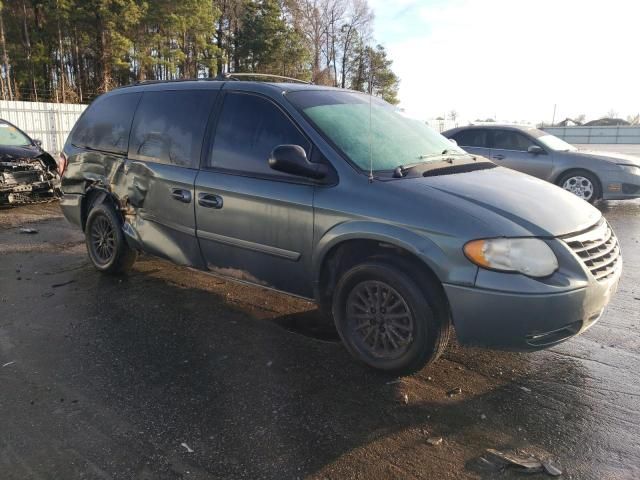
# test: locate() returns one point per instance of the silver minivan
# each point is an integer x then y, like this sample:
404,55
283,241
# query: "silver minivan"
334,196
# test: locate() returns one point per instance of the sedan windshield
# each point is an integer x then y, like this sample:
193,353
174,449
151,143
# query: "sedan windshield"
557,144
12,137
372,134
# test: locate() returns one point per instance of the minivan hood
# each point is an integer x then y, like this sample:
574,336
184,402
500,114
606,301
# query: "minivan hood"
538,207
612,157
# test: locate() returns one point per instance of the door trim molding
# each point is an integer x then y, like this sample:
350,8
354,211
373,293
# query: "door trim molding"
247,245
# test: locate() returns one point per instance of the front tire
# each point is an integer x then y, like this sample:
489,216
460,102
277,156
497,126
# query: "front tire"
107,248
388,320
581,183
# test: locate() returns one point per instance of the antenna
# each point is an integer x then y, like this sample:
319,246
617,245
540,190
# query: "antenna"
370,115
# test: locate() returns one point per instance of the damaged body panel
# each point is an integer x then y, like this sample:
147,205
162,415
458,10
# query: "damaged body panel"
27,173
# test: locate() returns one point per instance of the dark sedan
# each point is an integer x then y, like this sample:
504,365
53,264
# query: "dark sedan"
590,175
27,172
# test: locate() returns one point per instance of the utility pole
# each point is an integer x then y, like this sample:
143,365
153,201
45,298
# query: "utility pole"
553,119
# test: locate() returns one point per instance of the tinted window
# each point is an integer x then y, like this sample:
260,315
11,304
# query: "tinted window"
472,138
106,123
169,126
509,140
249,128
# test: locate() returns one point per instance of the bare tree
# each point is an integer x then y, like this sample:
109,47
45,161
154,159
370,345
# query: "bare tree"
612,113
453,115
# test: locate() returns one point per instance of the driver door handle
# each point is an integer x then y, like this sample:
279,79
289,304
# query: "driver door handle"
181,195
208,200
498,156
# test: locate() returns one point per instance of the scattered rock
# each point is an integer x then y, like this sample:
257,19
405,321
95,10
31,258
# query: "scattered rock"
186,447
483,416
434,441
269,363
403,398
455,391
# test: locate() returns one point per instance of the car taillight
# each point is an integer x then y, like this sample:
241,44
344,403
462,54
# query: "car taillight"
62,163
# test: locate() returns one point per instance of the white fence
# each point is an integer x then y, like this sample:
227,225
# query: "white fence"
593,135
48,122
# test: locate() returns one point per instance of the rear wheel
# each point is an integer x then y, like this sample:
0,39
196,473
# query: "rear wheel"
581,183
106,245
388,320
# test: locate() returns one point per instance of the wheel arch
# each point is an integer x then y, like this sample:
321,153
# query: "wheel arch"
350,243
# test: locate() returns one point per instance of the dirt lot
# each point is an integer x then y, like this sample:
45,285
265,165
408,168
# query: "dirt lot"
106,378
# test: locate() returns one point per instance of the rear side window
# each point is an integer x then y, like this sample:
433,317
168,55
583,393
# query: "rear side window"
472,138
510,140
249,128
169,126
106,123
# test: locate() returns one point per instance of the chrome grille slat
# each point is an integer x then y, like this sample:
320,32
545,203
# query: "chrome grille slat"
598,249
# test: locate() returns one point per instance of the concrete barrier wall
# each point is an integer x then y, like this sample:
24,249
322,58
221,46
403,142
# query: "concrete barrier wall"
604,135
48,122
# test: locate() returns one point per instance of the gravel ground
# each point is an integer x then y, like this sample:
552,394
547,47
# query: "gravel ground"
170,373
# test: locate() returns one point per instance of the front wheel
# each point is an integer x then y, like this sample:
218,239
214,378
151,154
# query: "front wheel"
388,320
106,245
581,183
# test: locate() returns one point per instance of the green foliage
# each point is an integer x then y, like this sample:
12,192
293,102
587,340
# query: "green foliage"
72,50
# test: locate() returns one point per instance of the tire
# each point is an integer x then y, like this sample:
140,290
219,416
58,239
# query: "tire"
417,320
581,182
107,248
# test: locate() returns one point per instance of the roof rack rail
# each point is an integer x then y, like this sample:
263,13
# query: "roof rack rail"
265,76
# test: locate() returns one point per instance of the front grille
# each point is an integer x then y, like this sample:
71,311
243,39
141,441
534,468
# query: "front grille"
598,249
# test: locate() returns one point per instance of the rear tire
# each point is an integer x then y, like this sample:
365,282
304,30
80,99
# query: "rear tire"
581,183
388,320
107,248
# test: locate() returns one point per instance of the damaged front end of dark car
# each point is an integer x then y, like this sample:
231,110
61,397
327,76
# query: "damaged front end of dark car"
28,174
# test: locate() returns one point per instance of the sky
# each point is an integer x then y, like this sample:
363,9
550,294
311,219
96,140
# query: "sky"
513,59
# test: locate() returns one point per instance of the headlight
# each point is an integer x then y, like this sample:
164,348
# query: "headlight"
529,256
632,169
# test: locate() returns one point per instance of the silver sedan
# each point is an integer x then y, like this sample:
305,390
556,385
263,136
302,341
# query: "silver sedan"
590,175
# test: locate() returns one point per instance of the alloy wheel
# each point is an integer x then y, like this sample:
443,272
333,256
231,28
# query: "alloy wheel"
580,186
380,320
103,240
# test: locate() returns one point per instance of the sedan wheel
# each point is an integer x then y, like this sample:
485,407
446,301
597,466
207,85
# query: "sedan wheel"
581,186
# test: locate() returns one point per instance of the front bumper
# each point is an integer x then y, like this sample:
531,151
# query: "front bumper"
521,321
621,186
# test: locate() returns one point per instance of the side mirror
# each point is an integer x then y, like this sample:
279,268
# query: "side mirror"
37,142
453,141
535,149
292,159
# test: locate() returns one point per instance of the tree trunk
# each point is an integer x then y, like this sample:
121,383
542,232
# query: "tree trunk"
5,59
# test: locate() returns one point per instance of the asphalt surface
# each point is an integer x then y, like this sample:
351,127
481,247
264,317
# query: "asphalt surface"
169,373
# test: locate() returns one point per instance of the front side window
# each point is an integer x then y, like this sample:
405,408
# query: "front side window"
248,129
169,126
510,140
370,132
106,123
472,138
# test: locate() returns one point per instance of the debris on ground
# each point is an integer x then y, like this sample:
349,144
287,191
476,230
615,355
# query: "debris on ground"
525,389
483,416
29,231
403,398
434,441
520,462
392,382
56,285
455,391
551,468
186,447
7,364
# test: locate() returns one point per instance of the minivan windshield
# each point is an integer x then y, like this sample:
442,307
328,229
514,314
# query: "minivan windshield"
372,135
12,137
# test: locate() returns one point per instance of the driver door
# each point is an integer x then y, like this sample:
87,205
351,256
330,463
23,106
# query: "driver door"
510,149
253,223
